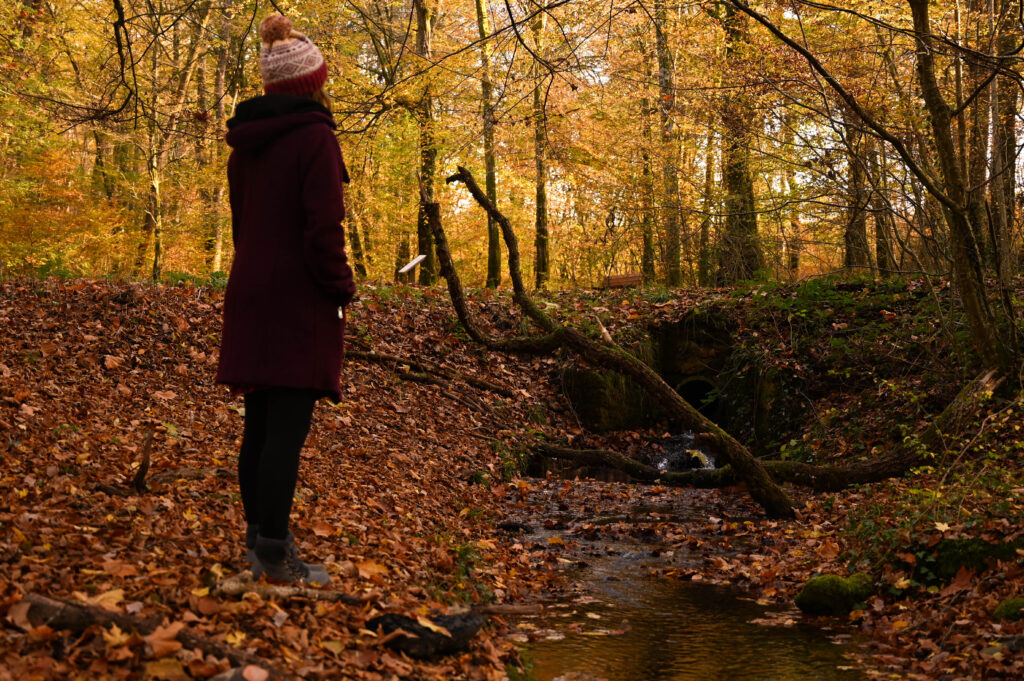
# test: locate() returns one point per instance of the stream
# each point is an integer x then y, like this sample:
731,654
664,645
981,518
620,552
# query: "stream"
614,621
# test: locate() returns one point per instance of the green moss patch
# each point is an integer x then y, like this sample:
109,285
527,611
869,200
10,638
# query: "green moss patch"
1010,609
833,595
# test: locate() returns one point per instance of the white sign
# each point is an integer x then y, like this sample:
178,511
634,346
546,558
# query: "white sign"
412,263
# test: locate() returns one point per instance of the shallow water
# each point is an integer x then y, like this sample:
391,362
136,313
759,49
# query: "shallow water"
675,631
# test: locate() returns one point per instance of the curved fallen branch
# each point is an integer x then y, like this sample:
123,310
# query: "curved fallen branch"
761,487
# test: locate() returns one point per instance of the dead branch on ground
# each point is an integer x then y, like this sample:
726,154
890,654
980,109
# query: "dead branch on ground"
608,356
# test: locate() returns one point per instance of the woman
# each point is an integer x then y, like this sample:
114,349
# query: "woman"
289,285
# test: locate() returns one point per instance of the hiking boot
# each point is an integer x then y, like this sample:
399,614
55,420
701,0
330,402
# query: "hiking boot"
279,560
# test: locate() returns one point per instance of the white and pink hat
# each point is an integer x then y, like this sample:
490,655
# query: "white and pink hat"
289,61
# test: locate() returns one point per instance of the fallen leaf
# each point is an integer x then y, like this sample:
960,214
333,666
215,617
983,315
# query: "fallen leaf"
436,628
333,646
163,640
963,581
167,669
119,568
108,600
369,569
114,637
254,673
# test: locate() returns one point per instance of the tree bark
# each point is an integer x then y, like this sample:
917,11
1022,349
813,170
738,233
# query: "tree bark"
1003,187
647,218
427,145
542,255
669,148
856,256
705,273
740,255
486,98
882,217
964,215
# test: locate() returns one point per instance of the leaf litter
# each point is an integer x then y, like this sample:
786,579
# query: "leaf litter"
390,498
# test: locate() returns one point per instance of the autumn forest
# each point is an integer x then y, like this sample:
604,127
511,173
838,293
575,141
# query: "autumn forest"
696,143
685,344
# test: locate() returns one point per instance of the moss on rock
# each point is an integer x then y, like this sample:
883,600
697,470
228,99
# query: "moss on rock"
833,595
1010,609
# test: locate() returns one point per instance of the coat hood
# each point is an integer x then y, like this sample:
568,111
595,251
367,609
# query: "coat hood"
261,120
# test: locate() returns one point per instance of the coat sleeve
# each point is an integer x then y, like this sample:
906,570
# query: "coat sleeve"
323,239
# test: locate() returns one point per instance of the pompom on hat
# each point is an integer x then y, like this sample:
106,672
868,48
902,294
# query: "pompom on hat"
289,61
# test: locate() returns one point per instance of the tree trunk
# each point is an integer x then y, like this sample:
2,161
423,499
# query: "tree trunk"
740,255
103,175
856,256
402,256
978,115
647,219
791,216
486,97
882,216
669,148
542,256
154,219
427,145
967,263
353,233
220,94
705,276
1004,143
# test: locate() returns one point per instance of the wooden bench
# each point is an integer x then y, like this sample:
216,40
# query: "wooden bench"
622,280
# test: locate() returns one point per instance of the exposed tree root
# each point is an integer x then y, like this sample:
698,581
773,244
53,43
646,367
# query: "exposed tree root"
61,614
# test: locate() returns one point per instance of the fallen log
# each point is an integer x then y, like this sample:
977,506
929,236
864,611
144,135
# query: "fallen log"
641,472
60,614
424,638
608,356
952,423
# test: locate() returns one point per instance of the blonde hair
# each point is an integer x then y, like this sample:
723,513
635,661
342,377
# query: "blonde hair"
322,98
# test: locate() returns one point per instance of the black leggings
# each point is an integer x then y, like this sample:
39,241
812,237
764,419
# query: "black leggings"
276,425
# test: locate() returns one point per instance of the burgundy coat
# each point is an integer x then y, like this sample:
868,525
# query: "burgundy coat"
290,273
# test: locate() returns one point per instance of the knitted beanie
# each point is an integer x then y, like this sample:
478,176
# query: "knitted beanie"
289,62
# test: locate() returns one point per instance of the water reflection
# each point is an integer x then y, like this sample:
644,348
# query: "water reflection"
678,631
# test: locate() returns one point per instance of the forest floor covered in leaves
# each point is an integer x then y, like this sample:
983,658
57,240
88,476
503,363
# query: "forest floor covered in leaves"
407,486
